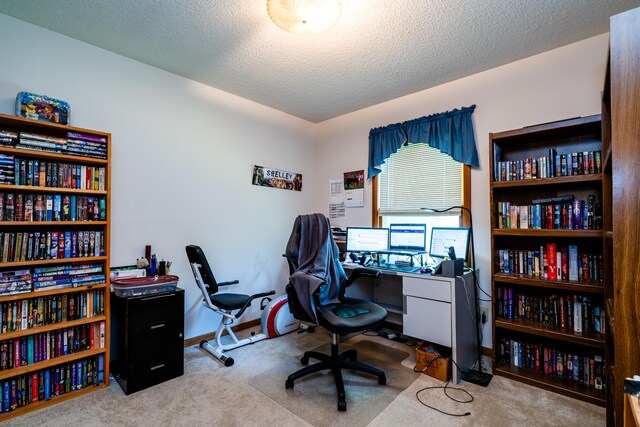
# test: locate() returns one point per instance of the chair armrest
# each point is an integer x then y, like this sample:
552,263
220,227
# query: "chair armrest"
359,273
233,282
248,303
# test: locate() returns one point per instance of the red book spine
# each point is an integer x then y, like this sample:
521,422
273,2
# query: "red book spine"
549,216
88,180
34,388
563,323
565,263
585,267
552,268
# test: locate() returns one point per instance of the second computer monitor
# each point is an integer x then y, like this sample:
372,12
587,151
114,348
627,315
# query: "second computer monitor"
366,239
410,237
442,238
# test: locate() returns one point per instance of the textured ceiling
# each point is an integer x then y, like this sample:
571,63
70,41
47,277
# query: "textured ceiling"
379,50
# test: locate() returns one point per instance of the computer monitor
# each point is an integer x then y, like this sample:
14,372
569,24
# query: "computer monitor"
442,238
411,237
365,239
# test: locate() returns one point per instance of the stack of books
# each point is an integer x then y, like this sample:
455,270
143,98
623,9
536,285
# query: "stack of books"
80,144
15,282
67,276
8,137
34,141
6,168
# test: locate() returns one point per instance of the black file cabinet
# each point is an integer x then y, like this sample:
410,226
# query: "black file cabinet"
147,339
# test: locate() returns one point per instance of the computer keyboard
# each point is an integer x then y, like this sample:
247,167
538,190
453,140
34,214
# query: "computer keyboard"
403,268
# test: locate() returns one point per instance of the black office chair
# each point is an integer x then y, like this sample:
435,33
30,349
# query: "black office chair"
221,303
341,316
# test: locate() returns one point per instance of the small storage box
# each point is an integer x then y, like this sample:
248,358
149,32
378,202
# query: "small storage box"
134,286
432,364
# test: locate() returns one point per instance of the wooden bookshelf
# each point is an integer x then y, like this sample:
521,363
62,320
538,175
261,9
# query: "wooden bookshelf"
29,331
532,322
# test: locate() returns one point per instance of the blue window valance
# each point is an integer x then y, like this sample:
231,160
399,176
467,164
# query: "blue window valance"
450,132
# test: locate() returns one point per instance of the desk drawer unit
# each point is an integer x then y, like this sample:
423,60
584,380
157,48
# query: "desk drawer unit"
427,313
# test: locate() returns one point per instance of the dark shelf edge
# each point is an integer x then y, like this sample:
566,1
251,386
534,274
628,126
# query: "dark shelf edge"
582,393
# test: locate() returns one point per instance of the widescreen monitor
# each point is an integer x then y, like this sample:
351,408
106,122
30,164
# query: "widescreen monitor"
411,237
442,238
363,239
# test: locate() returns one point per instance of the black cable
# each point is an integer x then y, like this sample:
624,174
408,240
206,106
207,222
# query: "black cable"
445,388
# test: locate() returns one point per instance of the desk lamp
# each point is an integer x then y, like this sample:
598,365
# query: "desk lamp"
476,377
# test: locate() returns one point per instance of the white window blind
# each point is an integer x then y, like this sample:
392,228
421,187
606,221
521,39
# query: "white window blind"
418,176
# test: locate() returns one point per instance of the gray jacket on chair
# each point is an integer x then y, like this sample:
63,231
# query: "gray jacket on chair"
315,262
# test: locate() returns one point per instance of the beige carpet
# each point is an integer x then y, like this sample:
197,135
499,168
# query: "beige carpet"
314,397
210,394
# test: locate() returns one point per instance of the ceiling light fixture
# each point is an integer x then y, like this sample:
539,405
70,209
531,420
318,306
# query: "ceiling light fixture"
304,16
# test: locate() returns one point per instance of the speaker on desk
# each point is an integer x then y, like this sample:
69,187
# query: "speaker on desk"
450,268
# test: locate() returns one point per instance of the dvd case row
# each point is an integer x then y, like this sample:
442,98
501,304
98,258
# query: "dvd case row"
42,385
41,311
576,215
51,207
42,173
43,245
552,264
552,165
585,369
23,351
573,312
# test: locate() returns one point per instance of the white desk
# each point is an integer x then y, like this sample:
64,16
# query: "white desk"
433,308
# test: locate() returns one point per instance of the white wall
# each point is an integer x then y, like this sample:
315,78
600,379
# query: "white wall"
182,159
555,85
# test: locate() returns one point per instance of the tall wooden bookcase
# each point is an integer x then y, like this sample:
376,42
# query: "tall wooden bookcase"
52,366
621,143
536,338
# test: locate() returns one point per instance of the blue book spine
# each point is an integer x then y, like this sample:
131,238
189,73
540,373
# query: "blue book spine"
73,377
16,172
30,350
6,397
67,244
57,207
79,375
576,368
74,244
49,207
585,215
47,384
100,368
54,245
73,202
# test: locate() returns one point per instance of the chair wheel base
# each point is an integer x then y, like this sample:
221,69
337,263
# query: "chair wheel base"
382,380
342,405
288,384
304,360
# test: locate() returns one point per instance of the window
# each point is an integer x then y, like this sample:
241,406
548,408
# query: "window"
419,176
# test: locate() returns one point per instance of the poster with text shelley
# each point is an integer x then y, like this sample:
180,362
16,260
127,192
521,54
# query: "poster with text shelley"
276,178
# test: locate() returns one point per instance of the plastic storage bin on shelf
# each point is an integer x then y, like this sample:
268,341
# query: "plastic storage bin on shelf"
134,286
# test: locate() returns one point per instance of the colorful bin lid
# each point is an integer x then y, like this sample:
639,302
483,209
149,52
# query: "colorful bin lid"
145,281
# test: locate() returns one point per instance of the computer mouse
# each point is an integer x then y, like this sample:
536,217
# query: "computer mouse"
426,270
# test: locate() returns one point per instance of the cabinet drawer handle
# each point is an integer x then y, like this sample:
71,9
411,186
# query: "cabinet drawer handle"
158,366
157,296
158,325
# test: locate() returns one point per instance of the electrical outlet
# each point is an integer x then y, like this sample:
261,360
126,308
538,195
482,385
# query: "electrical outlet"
484,315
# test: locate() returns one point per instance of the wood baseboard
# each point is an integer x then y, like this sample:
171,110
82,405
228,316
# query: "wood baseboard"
486,351
212,335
